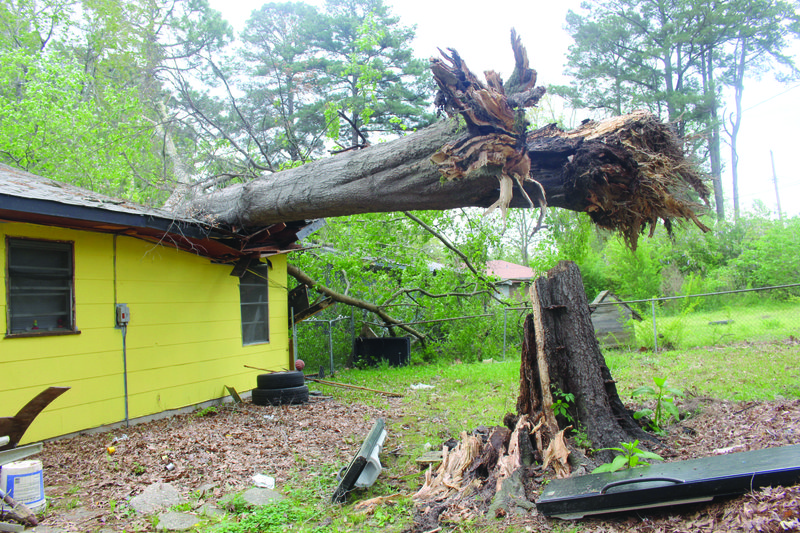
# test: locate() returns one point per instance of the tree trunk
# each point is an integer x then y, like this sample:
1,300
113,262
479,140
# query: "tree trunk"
561,355
627,172
597,168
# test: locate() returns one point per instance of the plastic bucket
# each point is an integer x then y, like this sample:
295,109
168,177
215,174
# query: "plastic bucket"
23,481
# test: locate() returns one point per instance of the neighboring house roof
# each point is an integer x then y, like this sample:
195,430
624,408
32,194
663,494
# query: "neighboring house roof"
509,271
25,197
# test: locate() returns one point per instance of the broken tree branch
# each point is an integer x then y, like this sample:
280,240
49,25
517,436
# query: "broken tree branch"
336,296
348,386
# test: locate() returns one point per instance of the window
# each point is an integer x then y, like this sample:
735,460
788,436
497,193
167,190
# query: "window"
254,298
39,287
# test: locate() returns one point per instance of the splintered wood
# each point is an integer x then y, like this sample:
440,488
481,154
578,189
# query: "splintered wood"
450,477
495,118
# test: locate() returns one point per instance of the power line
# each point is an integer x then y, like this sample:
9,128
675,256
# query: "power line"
771,98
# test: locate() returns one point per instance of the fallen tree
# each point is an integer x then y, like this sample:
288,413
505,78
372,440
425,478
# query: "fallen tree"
628,172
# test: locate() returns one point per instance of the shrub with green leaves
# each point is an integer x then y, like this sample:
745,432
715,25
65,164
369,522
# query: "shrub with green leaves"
630,456
665,408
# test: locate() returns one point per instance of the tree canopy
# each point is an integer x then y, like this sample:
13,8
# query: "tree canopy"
674,58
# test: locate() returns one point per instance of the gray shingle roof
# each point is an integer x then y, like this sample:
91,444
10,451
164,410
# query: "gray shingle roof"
21,184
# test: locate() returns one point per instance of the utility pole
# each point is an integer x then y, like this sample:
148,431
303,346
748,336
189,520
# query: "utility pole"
775,181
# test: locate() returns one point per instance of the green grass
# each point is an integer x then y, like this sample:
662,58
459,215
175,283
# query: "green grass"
463,397
754,321
766,371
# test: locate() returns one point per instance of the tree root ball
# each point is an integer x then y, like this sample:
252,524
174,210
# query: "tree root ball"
299,364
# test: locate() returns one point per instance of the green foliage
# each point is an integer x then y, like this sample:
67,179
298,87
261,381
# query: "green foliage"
49,127
81,94
630,456
766,262
211,410
563,402
390,261
580,437
340,72
665,404
276,517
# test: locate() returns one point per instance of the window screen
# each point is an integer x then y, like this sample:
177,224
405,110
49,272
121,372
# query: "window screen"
254,296
40,286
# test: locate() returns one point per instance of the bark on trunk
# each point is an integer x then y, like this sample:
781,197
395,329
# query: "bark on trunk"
596,168
561,353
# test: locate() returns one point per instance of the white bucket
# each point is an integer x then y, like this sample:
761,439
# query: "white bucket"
24,482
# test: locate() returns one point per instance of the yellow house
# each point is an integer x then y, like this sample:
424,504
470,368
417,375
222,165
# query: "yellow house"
137,311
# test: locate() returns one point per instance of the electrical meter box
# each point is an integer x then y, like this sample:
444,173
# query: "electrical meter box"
123,315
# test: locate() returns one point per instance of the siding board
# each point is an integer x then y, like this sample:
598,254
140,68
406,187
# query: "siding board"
183,343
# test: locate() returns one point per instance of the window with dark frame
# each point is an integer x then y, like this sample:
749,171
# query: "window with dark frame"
254,298
39,287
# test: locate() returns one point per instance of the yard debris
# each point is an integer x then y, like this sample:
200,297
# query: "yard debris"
430,458
451,476
225,465
420,386
557,454
17,511
264,481
365,467
14,427
730,449
335,384
348,386
234,395
368,506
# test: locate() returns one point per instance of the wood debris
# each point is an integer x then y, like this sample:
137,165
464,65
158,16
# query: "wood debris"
557,454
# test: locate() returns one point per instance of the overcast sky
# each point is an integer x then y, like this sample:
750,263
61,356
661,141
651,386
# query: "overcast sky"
481,37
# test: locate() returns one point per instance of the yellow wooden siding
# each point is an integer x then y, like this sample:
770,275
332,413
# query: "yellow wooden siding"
183,343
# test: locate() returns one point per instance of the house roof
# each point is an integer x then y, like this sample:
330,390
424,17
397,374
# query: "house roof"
25,197
509,271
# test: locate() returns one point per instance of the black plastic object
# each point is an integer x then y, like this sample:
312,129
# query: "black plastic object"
289,395
351,475
659,485
280,380
372,350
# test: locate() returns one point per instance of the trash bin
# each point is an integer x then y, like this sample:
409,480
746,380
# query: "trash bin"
372,350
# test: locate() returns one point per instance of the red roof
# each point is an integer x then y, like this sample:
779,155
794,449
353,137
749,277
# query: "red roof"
505,270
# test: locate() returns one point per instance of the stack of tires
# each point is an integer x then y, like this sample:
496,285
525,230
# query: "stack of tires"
280,388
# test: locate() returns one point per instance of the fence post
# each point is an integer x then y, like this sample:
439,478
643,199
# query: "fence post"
352,327
330,341
505,325
294,335
655,329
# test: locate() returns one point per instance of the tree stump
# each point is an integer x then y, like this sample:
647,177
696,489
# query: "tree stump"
561,353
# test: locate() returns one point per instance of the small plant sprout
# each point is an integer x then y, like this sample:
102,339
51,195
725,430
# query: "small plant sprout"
563,402
631,457
665,404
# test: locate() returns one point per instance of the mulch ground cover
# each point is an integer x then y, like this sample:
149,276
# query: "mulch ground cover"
217,454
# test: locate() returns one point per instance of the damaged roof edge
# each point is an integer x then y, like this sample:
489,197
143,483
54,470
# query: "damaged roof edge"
28,198
56,209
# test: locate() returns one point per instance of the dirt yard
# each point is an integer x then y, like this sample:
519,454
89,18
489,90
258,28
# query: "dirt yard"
218,453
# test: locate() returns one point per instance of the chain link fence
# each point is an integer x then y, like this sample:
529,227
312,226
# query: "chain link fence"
674,322
681,322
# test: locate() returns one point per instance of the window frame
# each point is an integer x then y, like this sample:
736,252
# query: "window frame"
246,289
69,288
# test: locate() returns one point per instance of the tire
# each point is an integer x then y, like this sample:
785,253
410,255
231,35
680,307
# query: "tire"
281,380
289,395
